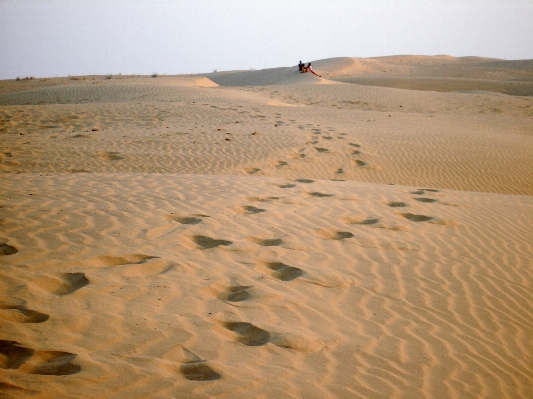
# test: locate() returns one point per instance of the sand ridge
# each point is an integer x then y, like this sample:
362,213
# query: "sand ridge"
272,238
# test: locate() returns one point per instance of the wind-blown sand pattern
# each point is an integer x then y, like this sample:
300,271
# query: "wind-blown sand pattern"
270,234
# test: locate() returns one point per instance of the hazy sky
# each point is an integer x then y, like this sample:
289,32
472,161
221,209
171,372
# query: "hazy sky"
45,38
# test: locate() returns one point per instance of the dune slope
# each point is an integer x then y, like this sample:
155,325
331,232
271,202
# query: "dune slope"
258,234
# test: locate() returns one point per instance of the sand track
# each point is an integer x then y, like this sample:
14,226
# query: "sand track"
174,238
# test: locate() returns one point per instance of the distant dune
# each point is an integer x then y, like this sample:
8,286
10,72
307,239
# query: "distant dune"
437,73
270,234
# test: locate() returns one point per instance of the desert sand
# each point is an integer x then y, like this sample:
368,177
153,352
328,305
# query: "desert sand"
270,234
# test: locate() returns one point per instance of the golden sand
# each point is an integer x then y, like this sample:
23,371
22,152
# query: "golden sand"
270,234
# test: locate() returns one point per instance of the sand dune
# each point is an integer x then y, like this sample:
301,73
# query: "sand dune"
273,76
258,234
437,73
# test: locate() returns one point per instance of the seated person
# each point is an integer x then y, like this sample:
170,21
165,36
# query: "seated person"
310,69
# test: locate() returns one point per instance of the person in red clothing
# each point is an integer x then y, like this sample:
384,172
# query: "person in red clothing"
310,68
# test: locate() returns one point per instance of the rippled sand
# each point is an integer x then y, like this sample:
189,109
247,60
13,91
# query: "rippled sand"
269,233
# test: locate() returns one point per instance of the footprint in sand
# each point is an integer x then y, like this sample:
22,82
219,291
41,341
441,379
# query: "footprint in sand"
266,242
354,145
81,136
283,272
251,171
63,284
15,310
26,360
331,234
320,149
279,164
194,368
306,181
248,210
362,221
422,191
250,335
246,333
230,291
6,249
369,221
397,204
287,186
427,200
71,282
416,218
358,162
317,195
199,371
355,152
207,243
186,219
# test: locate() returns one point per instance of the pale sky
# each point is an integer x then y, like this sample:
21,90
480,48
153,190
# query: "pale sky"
47,38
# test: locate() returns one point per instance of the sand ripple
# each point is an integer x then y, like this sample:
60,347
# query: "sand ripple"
167,237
